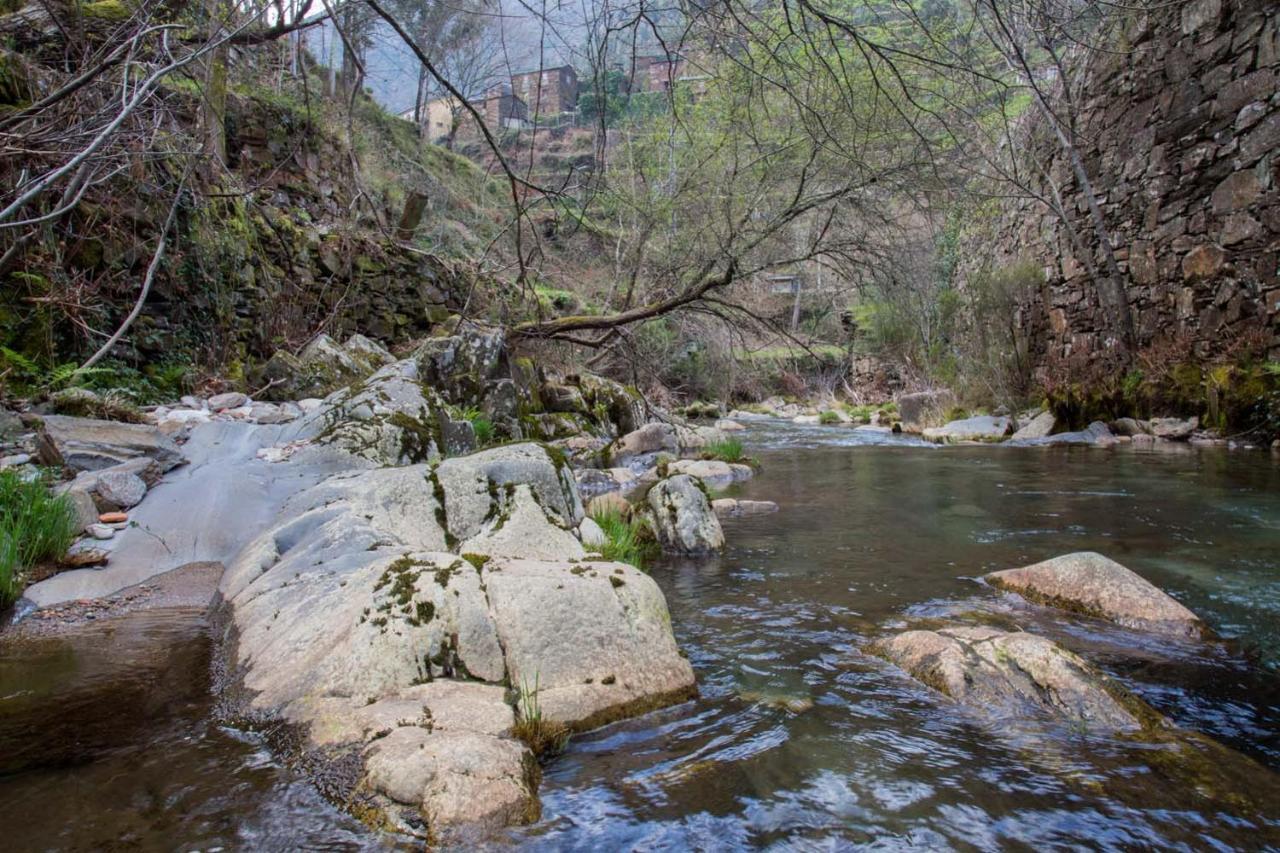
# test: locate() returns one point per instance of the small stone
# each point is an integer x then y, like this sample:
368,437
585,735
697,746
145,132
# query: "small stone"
591,534
85,557
86,510
113,517
121,488
101,531
16,459
230,400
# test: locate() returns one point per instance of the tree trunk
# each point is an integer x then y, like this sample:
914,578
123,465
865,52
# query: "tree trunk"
414,206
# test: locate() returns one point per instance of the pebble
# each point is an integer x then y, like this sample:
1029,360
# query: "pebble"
16,459
113,517
101,531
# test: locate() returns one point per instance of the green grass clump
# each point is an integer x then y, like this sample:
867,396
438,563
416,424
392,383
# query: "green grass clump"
728,450
828,418
35,526
630,540
543,737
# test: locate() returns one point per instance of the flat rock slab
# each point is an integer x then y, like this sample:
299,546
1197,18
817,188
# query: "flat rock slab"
84,444
980,428
1089,583
1015,674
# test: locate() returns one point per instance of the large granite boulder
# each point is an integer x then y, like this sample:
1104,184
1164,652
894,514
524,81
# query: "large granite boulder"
621,406
322,367
1095,585
924,408
83,444
386,609
977,428
1015,674
650,438
682,517
617,659
480,489
391,418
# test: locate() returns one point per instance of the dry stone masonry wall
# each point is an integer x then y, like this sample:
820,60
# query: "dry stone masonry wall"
1181,135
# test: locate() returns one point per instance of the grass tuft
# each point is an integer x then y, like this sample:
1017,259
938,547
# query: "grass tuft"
630,540
828,418
543,737
35,526
728,450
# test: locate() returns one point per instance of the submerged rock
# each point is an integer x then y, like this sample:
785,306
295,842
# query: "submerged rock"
682,517
1013,673
730,507
713,473
1089,583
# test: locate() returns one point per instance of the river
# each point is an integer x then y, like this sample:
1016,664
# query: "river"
798,741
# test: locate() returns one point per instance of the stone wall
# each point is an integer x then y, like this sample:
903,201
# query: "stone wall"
1182,130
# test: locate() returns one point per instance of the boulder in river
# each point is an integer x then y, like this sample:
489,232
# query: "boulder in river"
384,612
1095,435
977,428
84,444
713,473
1089,583
682,517
1174,429
1039,426
1013,673
924,408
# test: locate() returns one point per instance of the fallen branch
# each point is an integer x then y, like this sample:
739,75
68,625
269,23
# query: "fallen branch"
146,283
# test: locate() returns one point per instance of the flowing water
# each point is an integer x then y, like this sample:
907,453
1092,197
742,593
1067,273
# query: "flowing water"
798,740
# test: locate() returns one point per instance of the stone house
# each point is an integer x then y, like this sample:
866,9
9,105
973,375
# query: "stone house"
548,91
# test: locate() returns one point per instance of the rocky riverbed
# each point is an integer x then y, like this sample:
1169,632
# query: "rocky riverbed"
419,618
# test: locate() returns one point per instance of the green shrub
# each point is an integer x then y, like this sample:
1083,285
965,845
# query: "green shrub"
828,418
629,539
727,450
35,526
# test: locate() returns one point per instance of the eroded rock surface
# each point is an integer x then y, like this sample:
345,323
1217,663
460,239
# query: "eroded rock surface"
387,602
1089,583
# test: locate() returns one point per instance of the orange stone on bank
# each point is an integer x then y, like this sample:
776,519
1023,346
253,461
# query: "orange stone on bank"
113,517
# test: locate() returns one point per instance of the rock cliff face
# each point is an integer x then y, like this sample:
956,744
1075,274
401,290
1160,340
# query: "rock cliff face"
1182,130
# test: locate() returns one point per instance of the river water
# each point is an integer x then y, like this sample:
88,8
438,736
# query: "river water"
798,740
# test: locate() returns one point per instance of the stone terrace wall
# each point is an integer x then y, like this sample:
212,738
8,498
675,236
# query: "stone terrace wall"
1184,151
